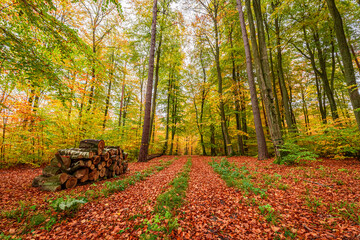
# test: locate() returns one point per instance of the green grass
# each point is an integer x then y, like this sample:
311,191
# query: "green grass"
236,177
166,205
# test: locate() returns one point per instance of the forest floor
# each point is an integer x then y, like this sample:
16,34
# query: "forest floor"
199,198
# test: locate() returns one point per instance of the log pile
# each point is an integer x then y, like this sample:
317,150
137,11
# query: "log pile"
77,166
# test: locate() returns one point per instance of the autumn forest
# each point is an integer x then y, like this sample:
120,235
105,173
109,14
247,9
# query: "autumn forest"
268,89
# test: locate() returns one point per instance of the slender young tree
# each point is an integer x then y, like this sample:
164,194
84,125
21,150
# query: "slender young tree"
260,137
346,59
144,148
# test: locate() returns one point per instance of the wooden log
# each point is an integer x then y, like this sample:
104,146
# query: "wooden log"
64,177
54,163
84,178
71,182
92,167
96,175
96,159
77,153
115,157
117,170
81,173
102,172
92,175
105,156
108,163
101,165
125,155
49,171
121,169
116,148
37,180
52,183
50,188
66,160
93,144
88,163
113,166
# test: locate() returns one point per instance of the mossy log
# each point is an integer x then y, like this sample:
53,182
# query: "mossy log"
49,171
50,188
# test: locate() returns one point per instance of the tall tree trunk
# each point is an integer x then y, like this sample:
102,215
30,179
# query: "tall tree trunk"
305,110
227,142
285,96
122,97
153,110
144,148
168,113
236,91
260,137
263,71
277,109
355,57
319,98
346,59
174,121
107,103
323,75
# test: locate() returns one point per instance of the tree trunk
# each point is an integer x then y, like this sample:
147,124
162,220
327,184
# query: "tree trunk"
236,91
285,96
346,59
122,97
260,137
146,128
153,110
168,113
323,75
227,142
263,73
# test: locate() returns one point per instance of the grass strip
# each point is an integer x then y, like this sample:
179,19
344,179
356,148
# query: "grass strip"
167,203
236,177
242,179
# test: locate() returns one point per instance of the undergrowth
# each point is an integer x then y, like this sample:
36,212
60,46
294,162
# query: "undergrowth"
236,177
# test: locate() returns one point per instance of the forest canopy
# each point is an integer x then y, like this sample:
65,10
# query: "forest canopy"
229,77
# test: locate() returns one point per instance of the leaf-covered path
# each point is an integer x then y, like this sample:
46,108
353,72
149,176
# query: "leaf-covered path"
317,200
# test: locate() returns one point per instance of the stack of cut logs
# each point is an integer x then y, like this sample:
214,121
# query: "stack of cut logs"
75,166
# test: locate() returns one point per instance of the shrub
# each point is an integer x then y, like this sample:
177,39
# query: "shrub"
293,153
68,206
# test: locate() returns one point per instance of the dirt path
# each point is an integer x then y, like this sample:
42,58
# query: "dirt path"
213,210
104,219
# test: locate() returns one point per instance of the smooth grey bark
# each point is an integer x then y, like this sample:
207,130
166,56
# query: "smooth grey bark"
144,148
346,59
260,137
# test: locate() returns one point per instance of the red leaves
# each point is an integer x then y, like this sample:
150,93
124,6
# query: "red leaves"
211,210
